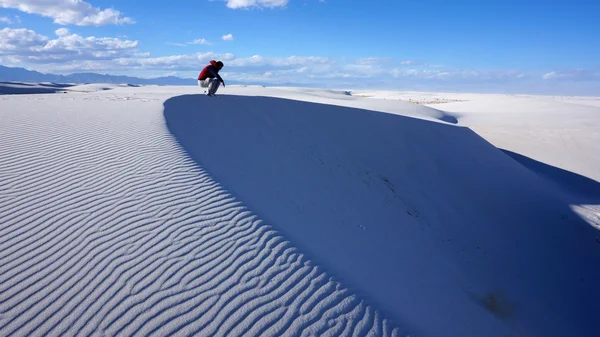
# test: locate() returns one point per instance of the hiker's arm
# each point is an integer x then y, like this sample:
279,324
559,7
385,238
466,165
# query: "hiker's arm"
215,74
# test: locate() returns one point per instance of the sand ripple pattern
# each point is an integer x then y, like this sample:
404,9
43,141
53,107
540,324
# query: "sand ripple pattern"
107,228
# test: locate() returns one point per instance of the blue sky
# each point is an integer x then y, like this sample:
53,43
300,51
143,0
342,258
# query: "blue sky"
538,46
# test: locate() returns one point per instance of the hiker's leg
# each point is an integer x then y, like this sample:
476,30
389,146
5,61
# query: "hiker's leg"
213,86
203,83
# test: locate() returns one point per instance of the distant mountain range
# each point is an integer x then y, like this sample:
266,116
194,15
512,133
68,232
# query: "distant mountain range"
9,74
14,74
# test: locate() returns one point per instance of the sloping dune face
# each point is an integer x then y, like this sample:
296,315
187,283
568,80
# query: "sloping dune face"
432,222
109,228
17,88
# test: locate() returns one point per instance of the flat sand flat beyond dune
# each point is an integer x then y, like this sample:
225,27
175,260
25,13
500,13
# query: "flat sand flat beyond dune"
158,211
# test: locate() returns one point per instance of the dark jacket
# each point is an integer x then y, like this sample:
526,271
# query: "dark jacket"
210,71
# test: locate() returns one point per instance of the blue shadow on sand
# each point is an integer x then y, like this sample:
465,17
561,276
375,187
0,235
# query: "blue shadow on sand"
23,88
365,193
583,189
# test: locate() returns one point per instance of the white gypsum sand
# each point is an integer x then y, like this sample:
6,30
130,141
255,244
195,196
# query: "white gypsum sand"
160,211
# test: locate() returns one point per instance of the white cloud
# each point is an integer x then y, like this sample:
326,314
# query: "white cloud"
28,46
294,64
414,63
228,37
235,4
62,32
4,19
196,41
69,12
373,60
574,75
18,41
177,44
173,62
202,41
552,75
280,68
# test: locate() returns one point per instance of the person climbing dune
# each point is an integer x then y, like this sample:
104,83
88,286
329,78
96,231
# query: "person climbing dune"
209,77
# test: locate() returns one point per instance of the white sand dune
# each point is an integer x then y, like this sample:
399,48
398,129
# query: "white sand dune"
24,88
564,133
16,88
560,131
155,211
108,227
